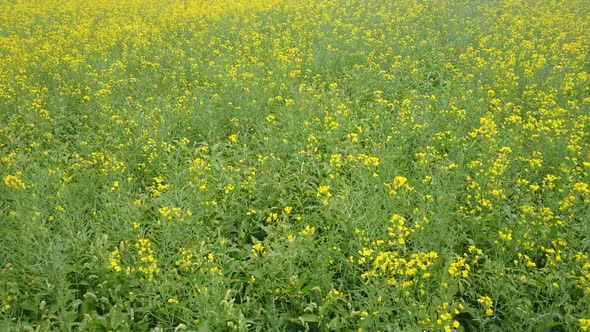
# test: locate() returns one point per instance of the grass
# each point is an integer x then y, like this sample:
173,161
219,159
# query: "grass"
275,165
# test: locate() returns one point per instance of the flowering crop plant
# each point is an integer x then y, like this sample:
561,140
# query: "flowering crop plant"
279,165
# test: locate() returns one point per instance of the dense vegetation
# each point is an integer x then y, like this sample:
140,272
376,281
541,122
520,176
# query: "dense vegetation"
294,165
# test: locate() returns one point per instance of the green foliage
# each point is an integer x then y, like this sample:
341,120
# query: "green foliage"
294,165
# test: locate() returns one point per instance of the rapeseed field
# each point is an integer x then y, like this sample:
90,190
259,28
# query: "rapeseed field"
320,165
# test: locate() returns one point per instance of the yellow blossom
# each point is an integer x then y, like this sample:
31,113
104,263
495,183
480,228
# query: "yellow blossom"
14,181
258,250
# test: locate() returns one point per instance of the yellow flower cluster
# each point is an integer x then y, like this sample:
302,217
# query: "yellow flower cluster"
398,183
398,230
445,316
148,264
115,260
368,160
143,260
307,231
258,250
185,262
333,294
14,181
158,186
398,271
324,193
487,304
8,299
174,214
461,266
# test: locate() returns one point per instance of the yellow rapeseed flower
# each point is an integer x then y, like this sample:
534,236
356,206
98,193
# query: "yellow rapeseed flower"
14,181
258,250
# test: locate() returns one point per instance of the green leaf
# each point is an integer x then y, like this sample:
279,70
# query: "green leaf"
309,318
